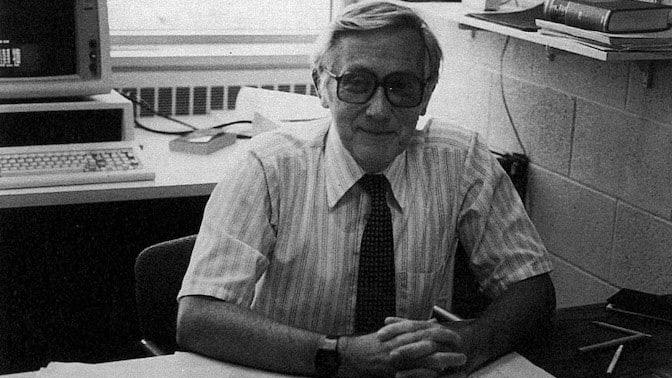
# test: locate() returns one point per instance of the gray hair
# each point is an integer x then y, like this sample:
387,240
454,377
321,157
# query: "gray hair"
376,15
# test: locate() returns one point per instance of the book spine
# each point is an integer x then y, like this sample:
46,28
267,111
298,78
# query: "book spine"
575,14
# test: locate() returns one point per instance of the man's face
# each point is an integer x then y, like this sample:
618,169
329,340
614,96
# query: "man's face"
376,131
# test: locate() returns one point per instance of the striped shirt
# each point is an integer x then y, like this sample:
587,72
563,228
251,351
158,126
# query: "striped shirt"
290,215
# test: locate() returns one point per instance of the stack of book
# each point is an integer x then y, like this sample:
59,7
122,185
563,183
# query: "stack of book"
616,25
660,41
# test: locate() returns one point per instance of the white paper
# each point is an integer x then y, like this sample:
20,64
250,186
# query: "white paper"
187,365
512,365
279,106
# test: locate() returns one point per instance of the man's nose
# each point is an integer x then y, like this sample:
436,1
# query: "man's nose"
378,104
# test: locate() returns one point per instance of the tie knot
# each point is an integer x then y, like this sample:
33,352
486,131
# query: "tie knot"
374,184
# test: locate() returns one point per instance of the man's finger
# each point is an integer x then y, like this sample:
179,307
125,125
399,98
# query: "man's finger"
393,319
444,360
397,328
408,355
420,355
447,339
420,373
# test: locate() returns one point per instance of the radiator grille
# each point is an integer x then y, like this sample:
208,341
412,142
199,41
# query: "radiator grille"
184,100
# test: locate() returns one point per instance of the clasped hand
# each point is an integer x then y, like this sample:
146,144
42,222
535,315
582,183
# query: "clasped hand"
411,348
422,348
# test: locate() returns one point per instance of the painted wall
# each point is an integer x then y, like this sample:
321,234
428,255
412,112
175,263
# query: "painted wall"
600,144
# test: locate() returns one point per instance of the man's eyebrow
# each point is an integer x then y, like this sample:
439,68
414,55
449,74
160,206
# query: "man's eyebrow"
359,67
356,67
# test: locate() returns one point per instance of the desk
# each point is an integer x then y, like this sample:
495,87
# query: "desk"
67,255
560,355
177,175
187,365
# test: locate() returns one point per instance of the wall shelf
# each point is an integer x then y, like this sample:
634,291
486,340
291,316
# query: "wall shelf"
456,12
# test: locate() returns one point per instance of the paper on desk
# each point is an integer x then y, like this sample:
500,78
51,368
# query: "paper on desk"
183,365
178,365
512,365
279,106
259,125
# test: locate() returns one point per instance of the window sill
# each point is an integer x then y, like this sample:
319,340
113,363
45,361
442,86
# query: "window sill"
211,55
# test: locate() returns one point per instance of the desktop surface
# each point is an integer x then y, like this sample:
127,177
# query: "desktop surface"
559,356
177,174
575,328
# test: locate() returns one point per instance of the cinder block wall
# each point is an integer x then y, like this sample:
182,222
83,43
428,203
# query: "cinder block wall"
600,143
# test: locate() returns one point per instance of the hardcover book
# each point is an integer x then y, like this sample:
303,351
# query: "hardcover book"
611,16
651,40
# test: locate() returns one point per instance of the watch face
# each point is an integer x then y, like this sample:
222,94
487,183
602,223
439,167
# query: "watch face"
326,363
327,359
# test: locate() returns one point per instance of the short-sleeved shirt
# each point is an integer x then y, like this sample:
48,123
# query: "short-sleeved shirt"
291,215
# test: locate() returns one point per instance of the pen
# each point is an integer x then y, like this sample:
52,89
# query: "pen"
614,360
442,314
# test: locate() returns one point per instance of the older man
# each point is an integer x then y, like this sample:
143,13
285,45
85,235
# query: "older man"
348,228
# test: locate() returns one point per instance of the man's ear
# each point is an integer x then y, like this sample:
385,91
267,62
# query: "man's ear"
429,89
317,81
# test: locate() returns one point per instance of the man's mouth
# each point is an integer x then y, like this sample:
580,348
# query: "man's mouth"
375,132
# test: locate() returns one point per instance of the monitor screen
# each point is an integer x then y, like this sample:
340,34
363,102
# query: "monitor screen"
56,48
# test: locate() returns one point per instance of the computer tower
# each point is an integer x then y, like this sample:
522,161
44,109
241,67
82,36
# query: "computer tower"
97,118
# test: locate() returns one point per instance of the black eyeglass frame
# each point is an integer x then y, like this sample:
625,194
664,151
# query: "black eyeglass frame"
378,83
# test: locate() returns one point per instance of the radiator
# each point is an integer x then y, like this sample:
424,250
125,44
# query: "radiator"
179,92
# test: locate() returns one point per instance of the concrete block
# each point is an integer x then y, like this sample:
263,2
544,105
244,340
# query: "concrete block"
602,82
462,96
642,251
576,223
574,287
626,157
466,47
651,102
543,118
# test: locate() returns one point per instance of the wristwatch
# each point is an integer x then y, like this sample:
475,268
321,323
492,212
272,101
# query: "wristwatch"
326,358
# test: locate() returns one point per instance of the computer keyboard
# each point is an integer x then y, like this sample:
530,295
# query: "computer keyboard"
70,164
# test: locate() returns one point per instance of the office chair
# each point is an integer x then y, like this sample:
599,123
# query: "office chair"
159,270
468,300
158,277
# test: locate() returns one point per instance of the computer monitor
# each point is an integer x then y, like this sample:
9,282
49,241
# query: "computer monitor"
53,49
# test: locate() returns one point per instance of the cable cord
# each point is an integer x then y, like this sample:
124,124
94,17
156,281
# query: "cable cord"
501,88
149,108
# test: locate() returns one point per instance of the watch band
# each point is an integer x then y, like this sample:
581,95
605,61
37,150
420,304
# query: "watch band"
327,359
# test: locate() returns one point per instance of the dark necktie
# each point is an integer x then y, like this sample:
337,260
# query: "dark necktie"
375,281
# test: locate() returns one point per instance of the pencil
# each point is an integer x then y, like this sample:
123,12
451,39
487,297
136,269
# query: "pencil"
445,315
617,341
614,359
617,328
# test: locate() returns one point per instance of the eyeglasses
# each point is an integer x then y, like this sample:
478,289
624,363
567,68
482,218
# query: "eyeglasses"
402,89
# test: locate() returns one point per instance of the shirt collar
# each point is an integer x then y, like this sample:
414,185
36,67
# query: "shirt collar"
342,171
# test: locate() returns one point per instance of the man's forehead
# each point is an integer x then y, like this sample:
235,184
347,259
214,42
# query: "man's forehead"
401,48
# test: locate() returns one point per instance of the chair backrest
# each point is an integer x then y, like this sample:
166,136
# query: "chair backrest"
468,300
159,270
